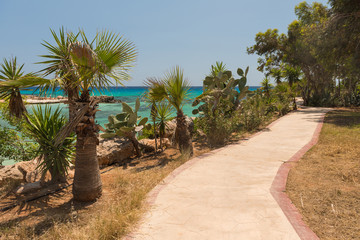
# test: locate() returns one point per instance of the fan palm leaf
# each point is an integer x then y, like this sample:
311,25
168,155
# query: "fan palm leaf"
177,87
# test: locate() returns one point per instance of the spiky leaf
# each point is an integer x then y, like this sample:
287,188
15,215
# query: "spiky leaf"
108,135
137,105
242,83
246,71
126,129
240,72
127,108
143,121
111,119
195,111
228,73
121,116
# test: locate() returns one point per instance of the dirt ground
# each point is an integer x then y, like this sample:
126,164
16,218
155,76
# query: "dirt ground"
325,184
33,217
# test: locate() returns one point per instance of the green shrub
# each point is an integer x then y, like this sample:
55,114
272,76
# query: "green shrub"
14,143
216,126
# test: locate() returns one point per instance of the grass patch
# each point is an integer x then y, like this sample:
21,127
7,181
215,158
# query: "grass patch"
325,184
111,217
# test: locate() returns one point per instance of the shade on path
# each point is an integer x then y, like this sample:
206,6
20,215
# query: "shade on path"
225,194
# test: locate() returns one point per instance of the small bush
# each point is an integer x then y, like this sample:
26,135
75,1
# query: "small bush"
216,126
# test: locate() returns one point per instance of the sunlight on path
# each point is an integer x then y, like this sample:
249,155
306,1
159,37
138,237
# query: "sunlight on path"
226,194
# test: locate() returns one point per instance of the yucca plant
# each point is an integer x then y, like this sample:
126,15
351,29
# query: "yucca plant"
164,114
43,126
175,89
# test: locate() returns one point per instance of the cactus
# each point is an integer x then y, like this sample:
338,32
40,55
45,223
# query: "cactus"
222,87
126,124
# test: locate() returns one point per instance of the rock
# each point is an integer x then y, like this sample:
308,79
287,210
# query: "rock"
149,144
28,187
171,126
106,99
19,171
114,150
9,173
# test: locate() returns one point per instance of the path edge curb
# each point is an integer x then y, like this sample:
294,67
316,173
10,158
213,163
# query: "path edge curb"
278,188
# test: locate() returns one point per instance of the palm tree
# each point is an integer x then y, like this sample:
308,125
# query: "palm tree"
89,66
266,86
59,63
174,88
277,74
292,74
12,80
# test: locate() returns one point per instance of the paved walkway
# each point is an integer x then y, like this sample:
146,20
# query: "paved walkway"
225,194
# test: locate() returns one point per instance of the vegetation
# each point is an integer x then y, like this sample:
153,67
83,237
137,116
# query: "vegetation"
328,77
82,66
43,126
12,79
14,143
164,113
174,88
126,124
220,101
15,147
329,202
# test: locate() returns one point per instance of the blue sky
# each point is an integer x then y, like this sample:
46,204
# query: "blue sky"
191,33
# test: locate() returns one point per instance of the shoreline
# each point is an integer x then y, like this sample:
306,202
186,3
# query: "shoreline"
32,99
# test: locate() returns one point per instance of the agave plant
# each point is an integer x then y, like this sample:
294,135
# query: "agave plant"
43,126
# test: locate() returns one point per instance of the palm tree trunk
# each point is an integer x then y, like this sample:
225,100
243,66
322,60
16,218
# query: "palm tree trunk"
182,134
87,182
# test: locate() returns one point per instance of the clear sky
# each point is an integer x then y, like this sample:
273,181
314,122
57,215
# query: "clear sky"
191,33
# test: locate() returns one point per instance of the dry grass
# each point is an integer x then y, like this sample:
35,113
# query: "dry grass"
111,217
325,184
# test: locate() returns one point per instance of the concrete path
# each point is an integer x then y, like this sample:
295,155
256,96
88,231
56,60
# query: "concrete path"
225,194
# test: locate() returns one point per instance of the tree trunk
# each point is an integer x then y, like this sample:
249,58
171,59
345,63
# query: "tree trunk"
155,136
135,142
182,135
87,182
72,95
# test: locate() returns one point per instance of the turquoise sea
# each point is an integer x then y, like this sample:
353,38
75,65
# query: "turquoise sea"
125,94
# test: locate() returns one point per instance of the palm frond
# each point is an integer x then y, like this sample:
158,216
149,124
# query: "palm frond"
177,87
12,79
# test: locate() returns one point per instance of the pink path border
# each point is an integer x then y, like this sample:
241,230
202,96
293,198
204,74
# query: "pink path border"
278,188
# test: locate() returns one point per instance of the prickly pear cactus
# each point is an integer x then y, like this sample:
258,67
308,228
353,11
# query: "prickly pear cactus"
222,87
126,124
